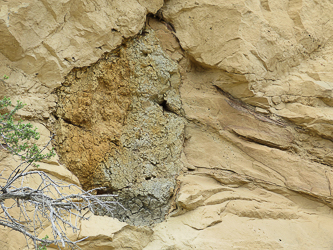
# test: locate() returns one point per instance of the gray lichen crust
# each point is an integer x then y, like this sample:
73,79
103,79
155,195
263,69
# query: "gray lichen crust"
144,169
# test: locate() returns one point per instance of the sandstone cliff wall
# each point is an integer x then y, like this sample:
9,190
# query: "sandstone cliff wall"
212,120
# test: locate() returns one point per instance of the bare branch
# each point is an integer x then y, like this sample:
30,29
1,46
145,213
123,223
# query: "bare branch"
54,206
52,203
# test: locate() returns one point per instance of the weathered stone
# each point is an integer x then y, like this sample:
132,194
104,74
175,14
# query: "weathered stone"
245,217
256,93
119,127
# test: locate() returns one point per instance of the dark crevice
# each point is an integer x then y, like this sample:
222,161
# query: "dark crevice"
262,142
247,108
105,191
55,116
67,121
166,108
160,18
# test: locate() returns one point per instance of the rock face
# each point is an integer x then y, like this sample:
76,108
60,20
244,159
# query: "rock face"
118,126
233,97
264,107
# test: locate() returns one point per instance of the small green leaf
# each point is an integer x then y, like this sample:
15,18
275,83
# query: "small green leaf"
18,136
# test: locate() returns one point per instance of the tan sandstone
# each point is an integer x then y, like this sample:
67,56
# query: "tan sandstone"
241,103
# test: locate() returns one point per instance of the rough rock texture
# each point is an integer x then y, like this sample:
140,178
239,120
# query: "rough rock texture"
288,121
244,216
118,126
282,66
54,36
42,41
256,93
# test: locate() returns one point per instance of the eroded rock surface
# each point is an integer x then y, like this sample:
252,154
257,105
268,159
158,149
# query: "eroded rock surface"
258,118
232,213
261,105
255,81
119,126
